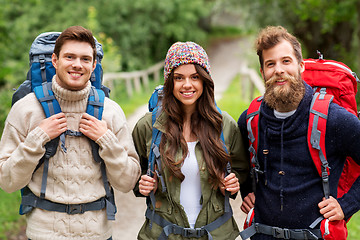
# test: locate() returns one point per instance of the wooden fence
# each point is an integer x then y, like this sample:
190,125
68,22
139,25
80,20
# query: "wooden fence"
134,80
250,80
137,79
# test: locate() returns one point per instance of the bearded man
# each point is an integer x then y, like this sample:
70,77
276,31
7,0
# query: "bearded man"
289,193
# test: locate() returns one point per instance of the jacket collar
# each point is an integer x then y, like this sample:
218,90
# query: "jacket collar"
160,122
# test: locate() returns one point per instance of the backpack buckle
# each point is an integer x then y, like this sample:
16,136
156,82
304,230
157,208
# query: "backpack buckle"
74,209
282,233
192,232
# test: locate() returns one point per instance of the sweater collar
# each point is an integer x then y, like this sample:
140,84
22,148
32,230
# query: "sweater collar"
71,101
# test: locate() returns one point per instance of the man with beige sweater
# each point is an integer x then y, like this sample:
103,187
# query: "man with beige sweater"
74,178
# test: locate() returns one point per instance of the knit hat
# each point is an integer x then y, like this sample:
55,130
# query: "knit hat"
184,53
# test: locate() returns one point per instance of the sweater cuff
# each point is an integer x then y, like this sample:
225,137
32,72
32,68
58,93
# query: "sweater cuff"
349,206
37,136
107,139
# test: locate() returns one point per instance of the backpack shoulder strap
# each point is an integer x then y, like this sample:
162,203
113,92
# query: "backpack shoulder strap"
95,108
96,100
50,106
47,99
316,136
252,124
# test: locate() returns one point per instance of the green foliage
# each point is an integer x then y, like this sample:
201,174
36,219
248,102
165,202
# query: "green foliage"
144,30
331,26
5,104
354,227
135,34
10,220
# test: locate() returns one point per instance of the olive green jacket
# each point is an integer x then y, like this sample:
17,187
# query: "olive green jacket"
168,204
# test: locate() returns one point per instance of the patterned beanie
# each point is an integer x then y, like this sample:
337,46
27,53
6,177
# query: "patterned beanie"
184,53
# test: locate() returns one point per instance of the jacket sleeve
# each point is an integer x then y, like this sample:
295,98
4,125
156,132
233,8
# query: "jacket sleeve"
347,138
142,135
21,146
117,149
246,185
236,148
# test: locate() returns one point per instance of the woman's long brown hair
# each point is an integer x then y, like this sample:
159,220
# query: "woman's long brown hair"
206,125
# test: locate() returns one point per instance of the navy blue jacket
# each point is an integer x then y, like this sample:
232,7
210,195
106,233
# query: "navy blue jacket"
291,200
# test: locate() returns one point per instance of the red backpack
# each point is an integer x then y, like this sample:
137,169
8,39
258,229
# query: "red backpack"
332,81
341,82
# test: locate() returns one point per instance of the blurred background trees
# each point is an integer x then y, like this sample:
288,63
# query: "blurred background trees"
330,26
136,34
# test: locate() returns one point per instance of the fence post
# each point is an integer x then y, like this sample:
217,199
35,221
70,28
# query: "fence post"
129,87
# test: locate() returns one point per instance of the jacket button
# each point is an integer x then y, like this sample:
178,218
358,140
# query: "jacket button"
217,207
282,173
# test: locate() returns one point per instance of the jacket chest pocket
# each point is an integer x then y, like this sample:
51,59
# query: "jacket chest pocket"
163,205
215,206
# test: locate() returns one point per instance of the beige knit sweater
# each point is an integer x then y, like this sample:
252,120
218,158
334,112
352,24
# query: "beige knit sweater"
73,177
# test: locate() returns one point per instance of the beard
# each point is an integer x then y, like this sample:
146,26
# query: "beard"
284,98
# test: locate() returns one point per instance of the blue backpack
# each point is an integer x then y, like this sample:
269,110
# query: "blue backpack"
155,106
38,80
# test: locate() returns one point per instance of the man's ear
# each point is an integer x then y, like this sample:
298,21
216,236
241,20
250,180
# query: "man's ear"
54,59
302,66
94,65
262,72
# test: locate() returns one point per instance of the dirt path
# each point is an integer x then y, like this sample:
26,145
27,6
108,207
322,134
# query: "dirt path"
225,58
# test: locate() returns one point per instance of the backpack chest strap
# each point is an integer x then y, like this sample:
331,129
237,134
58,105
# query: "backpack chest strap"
281,233
30,199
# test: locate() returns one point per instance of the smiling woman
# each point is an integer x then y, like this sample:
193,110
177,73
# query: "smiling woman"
188,87
193,154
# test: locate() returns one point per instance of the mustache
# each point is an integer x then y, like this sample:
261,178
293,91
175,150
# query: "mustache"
275,78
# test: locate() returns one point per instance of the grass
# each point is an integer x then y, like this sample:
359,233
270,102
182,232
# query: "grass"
10,221
130,104
354,227
233,99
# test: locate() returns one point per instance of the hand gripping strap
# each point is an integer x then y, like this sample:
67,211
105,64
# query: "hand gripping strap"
316,136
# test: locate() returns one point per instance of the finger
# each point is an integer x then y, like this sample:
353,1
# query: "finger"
231,181
245,207
323,203
229,177
148,178
145,193
249,201
58,115
147,188
147,184
252,198
88,117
